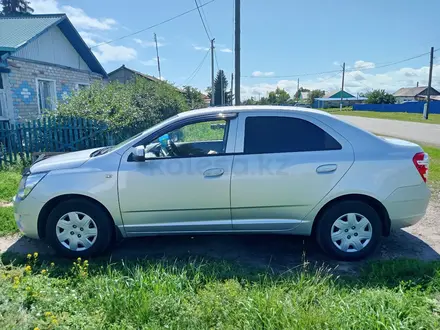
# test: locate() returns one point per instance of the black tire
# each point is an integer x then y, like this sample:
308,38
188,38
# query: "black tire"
326,221
104,225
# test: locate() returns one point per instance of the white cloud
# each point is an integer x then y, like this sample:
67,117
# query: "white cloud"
262,74
226,50
145,44
336,63
76,15
109,53
152,62
355,82
200,48
360,65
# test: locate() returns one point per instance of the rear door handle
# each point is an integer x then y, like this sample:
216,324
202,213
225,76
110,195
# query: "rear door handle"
213,172
327,168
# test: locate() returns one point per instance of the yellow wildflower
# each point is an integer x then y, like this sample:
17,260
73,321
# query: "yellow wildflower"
36,328
79,259
52,264
44,271
47,314
28,268
35,255
29,256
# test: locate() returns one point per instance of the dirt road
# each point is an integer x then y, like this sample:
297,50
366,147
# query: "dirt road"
280,253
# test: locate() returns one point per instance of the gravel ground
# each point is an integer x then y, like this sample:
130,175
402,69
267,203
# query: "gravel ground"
277,252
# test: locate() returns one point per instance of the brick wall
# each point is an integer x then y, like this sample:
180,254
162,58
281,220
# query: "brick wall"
22,81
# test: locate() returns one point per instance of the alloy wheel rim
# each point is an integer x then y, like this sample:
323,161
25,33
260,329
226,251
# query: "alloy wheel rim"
76,231
351,232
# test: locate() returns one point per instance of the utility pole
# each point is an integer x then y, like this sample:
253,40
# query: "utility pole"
342,89
222,92
157,54
297,90
428,94
212,73
237,52
232,88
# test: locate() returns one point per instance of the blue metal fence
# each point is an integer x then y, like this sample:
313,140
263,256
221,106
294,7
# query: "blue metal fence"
410,107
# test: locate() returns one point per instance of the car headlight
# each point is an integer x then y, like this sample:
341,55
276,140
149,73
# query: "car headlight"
28,182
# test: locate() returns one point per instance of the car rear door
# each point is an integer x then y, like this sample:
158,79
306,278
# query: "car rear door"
285,163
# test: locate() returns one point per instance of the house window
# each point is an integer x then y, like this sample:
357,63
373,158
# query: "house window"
46,94
81,86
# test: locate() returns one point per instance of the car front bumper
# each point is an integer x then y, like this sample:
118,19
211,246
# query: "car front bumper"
26,213
407,205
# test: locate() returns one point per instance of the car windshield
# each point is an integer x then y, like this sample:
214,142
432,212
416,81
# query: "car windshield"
153,128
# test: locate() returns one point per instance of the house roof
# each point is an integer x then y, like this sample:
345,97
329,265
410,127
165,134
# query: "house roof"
344,99
337,94
410,92
17,31
123,67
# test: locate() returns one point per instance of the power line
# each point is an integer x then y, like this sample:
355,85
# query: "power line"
206,20
203,21
155,25
196,70
296,75
351,70
216,61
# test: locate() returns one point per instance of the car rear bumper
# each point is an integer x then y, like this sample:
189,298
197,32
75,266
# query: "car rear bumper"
26,215
407,205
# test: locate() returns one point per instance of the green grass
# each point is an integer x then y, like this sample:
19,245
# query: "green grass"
192,294
9,180
434,166
415,117
7,222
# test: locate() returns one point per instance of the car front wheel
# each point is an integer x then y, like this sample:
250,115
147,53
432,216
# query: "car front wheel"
79,228
349,230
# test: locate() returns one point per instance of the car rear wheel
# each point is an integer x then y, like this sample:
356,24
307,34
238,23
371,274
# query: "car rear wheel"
79,228
349,230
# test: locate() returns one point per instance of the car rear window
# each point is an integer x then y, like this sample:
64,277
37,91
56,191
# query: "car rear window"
273,134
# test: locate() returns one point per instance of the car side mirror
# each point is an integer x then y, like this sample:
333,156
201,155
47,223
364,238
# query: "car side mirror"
138,154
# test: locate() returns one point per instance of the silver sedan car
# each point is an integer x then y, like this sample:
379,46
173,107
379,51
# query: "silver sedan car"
256,169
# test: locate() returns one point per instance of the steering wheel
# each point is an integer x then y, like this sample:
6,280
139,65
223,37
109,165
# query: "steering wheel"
172,148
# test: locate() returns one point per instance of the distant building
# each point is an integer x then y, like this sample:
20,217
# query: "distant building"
333,100
43,59
124,74
303,96
414,94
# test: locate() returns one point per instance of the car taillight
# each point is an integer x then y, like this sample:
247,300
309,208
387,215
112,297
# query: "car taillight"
421,162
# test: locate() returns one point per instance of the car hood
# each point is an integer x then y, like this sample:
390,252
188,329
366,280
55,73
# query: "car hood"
61,162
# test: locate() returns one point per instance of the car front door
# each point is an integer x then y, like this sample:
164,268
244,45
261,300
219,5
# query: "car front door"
184,183
284,165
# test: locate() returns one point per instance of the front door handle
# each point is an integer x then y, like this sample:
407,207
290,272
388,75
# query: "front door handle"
213,172
327,168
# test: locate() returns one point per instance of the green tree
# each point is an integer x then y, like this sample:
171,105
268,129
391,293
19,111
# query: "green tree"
194,98
379,96
131,107
16,7
221,87
316,93
250,101
279,96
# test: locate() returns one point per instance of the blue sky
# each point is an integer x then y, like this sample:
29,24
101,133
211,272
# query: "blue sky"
279,38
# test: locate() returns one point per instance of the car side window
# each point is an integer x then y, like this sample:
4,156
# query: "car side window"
192,140
271,134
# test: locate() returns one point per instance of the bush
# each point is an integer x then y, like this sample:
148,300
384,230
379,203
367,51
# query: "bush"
136,105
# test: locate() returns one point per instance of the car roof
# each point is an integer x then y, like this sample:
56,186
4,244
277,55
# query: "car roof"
247,108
